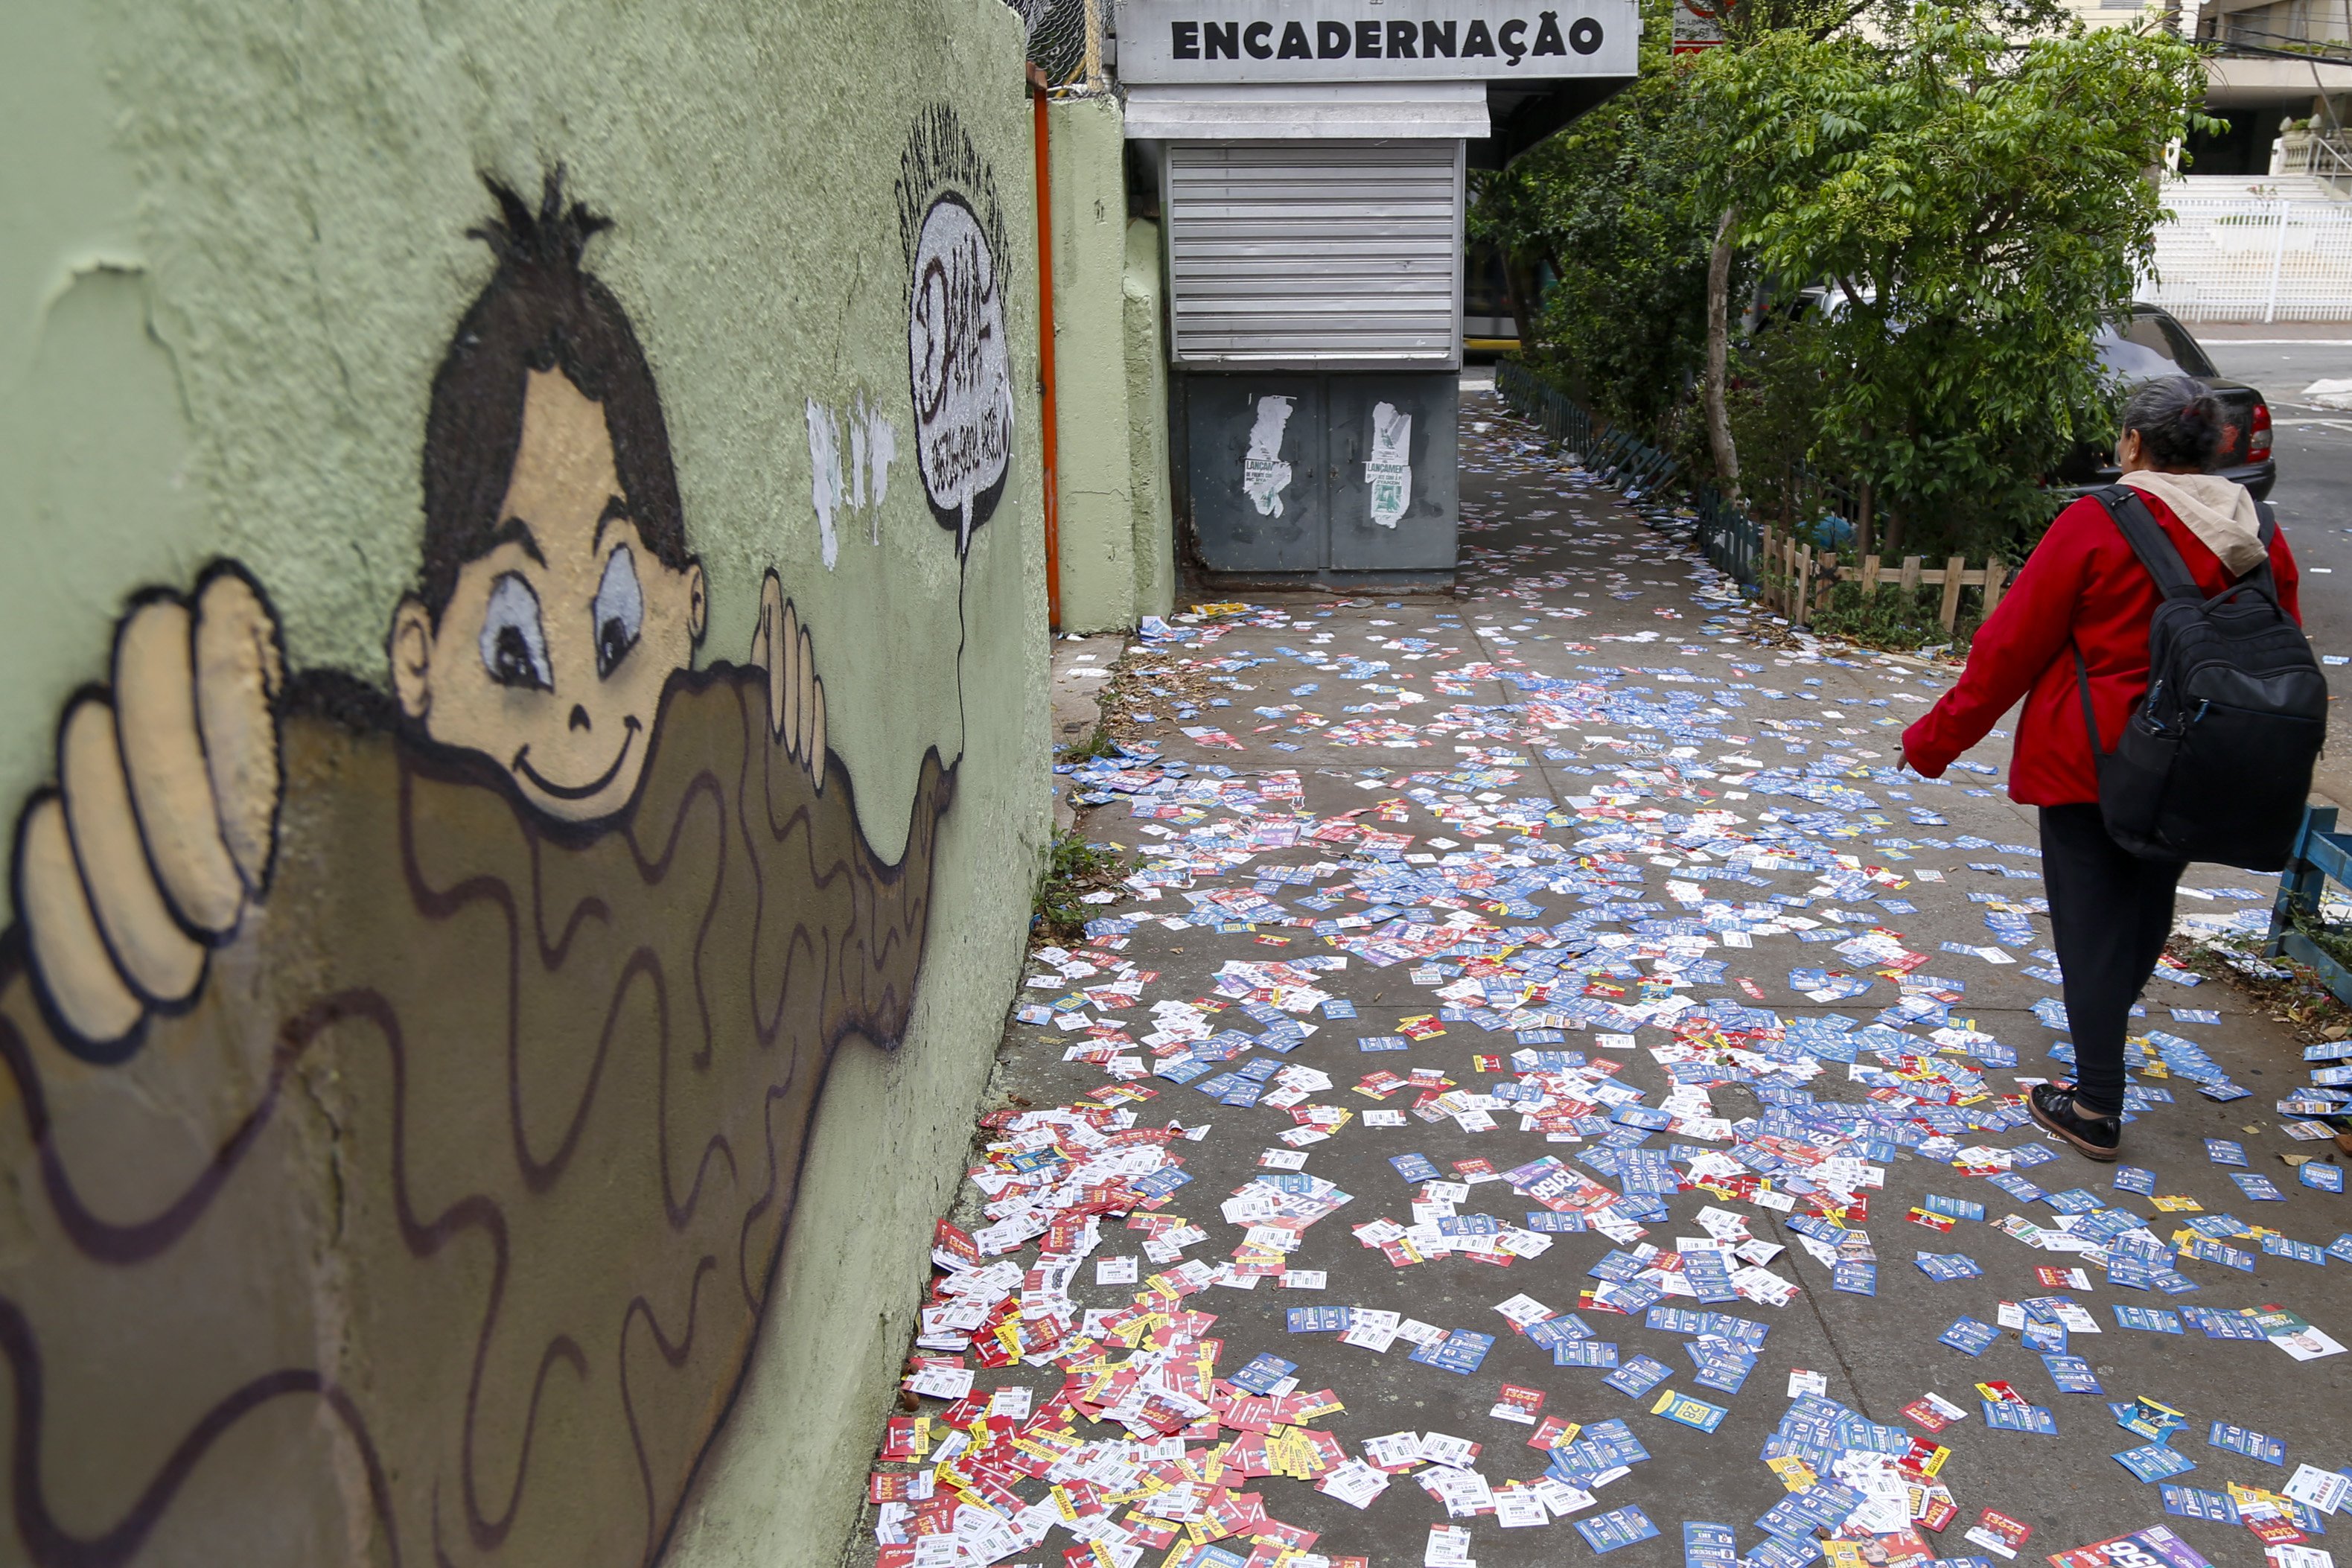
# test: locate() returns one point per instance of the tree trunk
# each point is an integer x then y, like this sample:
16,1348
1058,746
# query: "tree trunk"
1718,355
1863,541
1521,282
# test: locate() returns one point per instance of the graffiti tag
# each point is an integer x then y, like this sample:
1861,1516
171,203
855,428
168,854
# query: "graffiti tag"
963,378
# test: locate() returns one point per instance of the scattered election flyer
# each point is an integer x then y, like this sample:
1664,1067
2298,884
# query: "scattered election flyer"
2155,1547
1511,1025
1998,1533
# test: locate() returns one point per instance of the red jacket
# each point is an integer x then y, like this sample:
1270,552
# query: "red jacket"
2082,584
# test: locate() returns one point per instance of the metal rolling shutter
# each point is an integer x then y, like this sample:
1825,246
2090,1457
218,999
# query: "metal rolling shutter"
1315,253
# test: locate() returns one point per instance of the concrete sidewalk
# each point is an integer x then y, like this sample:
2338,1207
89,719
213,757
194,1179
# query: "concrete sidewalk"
1500,906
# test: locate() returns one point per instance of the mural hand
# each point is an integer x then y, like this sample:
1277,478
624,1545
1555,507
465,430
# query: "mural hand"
782,646
160,830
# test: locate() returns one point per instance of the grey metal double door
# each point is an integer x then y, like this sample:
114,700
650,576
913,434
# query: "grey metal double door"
1340,472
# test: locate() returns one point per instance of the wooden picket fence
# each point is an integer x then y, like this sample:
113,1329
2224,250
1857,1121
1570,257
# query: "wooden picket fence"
1791,577
1798,580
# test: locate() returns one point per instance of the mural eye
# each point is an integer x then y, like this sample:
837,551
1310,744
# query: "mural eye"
514,644
620,610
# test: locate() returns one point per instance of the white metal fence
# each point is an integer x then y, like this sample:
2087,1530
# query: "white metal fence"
2253,258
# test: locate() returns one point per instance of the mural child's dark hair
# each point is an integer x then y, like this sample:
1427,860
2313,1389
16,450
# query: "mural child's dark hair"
540,311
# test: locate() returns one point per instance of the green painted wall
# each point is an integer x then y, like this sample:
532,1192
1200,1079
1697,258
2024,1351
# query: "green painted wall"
1117,542
233,249
1146,343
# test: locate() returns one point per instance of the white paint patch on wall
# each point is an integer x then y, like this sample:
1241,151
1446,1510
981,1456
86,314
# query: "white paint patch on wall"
824,475
880,441
866,485
1265,476
1388,472
858,464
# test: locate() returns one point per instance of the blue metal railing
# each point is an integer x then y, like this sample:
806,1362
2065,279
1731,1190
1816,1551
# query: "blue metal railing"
2321,855
1732,539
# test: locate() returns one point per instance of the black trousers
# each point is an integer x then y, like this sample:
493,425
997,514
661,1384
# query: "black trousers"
2110,912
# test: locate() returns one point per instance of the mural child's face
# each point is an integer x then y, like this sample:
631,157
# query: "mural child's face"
551,657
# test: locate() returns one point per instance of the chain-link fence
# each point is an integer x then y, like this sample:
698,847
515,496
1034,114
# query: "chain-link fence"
2254,259
1065,39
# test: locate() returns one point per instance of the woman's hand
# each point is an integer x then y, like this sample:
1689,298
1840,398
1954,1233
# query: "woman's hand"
1931,769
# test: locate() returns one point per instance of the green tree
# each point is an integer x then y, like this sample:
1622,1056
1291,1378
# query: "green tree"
1508,211
1617,204
1980,205
1517,210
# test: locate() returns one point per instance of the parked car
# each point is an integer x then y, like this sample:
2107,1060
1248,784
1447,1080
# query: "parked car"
2147,344
2140,347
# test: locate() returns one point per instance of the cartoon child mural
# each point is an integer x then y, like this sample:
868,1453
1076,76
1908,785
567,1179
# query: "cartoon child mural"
414,1090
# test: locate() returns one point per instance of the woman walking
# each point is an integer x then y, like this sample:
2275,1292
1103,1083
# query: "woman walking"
2079,615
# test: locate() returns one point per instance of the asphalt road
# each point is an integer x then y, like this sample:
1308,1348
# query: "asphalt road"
2314,498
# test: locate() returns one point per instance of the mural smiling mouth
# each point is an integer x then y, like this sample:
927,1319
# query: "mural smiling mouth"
580,792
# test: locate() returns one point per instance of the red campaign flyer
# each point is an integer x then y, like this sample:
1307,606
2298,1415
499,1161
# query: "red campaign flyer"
1998,1534
1517,1403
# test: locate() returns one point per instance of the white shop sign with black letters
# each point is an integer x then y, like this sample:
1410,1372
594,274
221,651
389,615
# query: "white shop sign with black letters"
1244,41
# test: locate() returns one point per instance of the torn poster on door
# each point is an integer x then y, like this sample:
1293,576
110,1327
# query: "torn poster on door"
1388,472
1265,476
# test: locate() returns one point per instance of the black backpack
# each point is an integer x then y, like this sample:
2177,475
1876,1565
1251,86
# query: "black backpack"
2215,762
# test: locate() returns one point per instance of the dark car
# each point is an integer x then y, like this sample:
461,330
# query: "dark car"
2149,343
2145,345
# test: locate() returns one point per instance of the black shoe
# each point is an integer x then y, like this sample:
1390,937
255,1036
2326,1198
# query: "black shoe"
2094,1136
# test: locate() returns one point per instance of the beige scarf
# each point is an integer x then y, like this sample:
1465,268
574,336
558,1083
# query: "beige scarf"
2218,511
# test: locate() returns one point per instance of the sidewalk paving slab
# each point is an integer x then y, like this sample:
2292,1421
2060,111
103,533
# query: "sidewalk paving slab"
1562,847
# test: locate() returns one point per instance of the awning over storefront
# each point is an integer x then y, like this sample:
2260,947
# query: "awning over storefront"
1199,111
